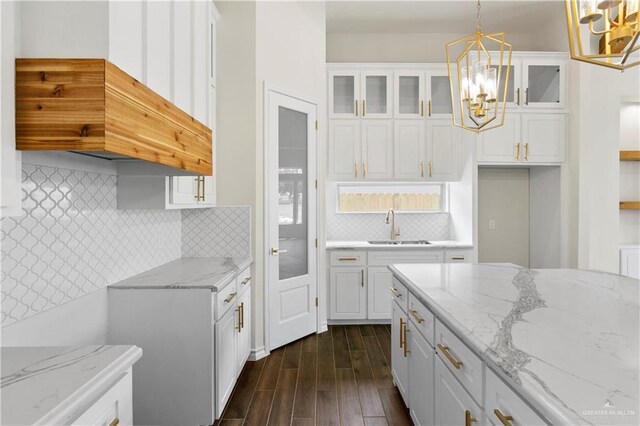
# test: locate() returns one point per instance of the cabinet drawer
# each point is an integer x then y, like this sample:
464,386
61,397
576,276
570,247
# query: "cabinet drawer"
460,360
225,299
422,319
115,404
399,293
384,258
348,258
452,402
502,402
243,281
458,256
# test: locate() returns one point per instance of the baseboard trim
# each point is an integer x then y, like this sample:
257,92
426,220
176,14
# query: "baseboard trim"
323,327
257,354
358,322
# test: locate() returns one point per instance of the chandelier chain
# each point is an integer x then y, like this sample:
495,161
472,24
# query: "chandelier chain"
478,17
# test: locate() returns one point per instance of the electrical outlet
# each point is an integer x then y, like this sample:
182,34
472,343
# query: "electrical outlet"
492,224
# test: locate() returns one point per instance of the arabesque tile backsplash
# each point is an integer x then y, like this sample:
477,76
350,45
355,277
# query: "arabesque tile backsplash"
71,239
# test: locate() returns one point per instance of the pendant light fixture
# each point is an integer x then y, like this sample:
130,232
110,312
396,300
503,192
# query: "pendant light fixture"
604,32
478,66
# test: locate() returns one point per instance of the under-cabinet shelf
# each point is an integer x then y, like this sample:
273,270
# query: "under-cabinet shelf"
629,205
629,155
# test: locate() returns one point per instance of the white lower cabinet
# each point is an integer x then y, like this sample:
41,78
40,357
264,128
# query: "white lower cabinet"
226,359
244,321
503,406
453,405
421,365
348,293
113,408
379,283
399,360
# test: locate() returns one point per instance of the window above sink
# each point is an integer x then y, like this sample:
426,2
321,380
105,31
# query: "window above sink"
380,197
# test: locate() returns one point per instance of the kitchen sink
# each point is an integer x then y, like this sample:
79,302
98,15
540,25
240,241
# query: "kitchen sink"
399,242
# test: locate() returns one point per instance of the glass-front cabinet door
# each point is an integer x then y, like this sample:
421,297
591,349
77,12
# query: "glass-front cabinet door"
344,94
438,93
514,93
409,94
376,89
544,83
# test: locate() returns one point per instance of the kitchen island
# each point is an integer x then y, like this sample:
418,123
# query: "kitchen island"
537,346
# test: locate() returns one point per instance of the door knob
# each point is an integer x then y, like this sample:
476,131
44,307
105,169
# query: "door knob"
276,251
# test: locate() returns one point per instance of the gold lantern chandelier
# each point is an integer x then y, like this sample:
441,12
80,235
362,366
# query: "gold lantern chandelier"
604,32
478,66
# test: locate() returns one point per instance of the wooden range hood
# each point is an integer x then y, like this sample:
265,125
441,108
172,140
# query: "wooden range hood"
90,106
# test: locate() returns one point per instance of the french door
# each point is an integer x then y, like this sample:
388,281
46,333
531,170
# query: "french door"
290,219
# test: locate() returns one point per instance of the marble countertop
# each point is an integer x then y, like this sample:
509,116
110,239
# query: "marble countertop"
333,245
212,273
566,340
53,385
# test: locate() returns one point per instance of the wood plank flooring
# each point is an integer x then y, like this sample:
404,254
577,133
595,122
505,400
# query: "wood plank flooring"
341,377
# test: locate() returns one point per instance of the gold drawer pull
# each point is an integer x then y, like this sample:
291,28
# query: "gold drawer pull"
395,292
347,258
115,422
246,280
445,350
415,316
505,420
230,298
457,258
468,418
355,169
422,169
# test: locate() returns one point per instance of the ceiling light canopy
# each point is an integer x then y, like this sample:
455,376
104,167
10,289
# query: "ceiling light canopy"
604,32
478,66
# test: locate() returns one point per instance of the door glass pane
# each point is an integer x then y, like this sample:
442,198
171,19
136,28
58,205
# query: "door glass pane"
343,94
503,78
544,83
409,94
440,95
292,193
376,94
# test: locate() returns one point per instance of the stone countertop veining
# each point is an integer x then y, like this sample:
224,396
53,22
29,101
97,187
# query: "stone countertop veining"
336,245
212,273
54,385
567,340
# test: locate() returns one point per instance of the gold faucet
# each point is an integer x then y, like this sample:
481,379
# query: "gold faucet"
390,218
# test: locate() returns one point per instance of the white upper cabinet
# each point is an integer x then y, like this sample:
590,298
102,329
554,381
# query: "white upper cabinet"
345,148
376,89
438,93
442,152
545,83
502,144
344,94
511,77
158,44
182,56
408,94
409,149
377,149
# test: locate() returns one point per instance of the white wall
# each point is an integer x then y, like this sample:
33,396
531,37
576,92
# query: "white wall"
283,44
425,47
593,161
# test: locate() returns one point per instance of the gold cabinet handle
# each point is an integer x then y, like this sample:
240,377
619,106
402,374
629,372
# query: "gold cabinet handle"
246,280
364,108
364,169
422,169
401,333
405,350
429,107
115,422
362,278
241,315
356,101
421,108
430,168
526,151
239,326
526,96
445,350
468,418
203,191
197,197
395,292
347,258
355,169
505,420
518,96
415,316
518,151
230,298
457,258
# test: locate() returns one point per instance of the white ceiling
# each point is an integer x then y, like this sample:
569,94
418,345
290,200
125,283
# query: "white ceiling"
452,16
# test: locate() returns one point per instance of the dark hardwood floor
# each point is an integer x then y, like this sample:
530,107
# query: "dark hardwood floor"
341,377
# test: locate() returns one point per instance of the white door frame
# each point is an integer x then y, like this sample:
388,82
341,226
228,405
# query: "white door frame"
268,88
